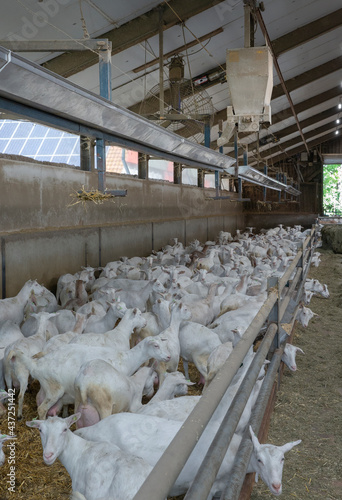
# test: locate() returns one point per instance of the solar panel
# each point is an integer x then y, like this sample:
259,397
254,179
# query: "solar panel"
39,142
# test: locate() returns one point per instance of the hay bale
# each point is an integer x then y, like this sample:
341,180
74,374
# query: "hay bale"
332,237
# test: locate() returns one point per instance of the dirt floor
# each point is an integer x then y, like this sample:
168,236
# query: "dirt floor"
309,407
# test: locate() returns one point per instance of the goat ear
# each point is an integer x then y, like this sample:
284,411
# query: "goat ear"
5,437
188,382
34,423
288,446
298,349
255,440
72,419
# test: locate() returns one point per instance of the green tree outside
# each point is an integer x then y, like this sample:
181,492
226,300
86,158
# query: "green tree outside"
332,187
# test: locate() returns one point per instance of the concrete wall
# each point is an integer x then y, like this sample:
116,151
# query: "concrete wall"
42,236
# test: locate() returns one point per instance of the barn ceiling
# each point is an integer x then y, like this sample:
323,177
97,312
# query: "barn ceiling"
305,35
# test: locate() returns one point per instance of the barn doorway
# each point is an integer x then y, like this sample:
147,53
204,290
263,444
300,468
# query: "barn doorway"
332,190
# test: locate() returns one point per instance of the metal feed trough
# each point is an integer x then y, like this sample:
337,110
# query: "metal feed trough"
280,307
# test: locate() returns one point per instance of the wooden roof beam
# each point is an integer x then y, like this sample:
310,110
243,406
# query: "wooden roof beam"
308,32
279,134
288,144
131,33
283,156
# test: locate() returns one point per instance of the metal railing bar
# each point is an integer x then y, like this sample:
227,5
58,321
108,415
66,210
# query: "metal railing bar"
205,477
186,438
237,476
304,275
286,300
288,273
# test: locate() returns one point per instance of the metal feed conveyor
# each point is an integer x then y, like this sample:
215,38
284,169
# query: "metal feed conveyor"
26,86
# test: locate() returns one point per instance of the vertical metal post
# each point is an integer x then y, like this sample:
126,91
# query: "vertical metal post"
86,153
105,74
124,162
3,269
143,166
245,155
200,178
217,174
278,179
161,64
101,163
177,173
105,71
207,145
249,27
285,182
207,135
217,183
272,282
236,151
265,189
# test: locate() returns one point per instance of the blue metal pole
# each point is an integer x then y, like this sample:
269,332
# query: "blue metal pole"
207,135
101,163
105,75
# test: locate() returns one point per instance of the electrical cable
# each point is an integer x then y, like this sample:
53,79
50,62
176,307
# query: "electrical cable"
84,25
181,20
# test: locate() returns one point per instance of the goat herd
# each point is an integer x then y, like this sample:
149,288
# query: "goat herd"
112,335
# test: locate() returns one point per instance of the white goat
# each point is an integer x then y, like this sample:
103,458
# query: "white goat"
179,313
267,461
15,372
148,437
118,337
289,356
3,395
30,326
101,390
216,360
196,343
156,320
57,370
304,315
66,337
138,296
97,470
174,384
66,284
45,301
316,287
96,324
3,438
9,333
13,307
